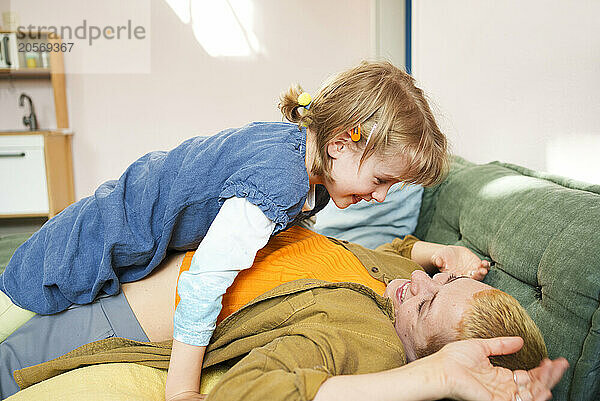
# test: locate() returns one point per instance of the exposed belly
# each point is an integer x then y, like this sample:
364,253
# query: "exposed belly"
152,299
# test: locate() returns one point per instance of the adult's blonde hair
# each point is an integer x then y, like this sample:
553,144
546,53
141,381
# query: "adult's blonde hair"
494,313
368,94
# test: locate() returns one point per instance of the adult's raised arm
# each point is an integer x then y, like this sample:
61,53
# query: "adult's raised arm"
460,370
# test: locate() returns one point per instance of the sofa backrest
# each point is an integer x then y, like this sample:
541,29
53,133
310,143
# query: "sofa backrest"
543,232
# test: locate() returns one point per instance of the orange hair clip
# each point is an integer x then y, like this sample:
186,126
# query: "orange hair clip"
355,134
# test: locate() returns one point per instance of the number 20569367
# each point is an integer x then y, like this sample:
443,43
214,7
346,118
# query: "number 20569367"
45,47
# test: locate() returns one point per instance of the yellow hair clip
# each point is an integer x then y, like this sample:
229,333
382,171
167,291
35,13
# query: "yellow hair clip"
304,100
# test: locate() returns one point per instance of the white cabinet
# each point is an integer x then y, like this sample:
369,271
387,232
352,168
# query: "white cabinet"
36,177
23,175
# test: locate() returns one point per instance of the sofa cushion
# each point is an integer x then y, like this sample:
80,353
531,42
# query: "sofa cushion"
8,245
543,233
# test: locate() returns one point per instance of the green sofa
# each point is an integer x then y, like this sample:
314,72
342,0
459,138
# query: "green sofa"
8,245
543,233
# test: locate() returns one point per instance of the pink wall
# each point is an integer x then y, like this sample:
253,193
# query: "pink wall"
119,117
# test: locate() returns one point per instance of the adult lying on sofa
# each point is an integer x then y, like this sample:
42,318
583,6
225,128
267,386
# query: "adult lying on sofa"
542,233
296,337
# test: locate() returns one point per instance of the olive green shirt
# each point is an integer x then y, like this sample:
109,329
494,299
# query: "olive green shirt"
285,343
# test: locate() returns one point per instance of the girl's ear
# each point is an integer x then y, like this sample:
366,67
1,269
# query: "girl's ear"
340,144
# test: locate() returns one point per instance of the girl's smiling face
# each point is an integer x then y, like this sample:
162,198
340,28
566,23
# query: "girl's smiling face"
350,184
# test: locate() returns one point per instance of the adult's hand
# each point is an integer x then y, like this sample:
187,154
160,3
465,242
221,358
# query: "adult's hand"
467,373
460,261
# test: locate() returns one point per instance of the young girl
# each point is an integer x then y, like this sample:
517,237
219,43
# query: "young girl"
366,129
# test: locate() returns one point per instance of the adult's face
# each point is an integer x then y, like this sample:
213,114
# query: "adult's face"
428,308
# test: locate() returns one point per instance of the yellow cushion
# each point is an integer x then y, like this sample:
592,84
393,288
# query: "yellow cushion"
111,381
11,316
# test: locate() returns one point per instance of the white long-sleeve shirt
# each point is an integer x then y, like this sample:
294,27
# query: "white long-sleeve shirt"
238,231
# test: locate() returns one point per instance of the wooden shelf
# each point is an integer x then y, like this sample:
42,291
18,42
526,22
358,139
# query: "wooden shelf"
56,75
24,73
50,132
22,216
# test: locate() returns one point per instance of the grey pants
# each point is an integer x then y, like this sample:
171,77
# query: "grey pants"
45,337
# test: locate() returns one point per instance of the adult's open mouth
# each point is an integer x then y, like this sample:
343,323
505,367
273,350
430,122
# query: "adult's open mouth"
401,291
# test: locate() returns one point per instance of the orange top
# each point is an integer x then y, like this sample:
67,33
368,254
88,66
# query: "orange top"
290,255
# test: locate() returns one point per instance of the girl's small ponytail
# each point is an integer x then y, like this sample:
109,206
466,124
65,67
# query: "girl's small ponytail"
289,104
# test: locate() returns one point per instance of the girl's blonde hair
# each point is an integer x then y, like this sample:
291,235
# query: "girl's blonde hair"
374,93
494,313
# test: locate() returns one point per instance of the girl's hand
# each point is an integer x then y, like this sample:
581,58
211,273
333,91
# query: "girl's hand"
460,261
467,373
